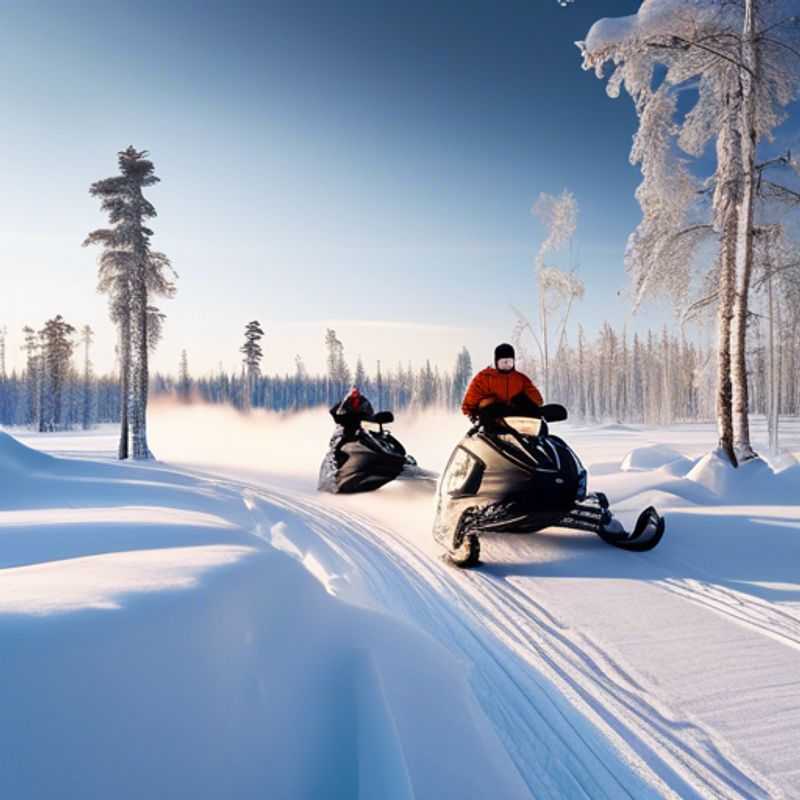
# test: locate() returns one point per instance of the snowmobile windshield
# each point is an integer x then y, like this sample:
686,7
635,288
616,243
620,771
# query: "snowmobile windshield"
525,426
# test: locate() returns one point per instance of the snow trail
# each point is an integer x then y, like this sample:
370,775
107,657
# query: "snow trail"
496,615
604,674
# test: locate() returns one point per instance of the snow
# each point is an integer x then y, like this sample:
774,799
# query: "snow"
753,481
654,457
610,31
212,626
156,645
654,18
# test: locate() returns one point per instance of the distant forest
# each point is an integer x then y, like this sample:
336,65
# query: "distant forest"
656,378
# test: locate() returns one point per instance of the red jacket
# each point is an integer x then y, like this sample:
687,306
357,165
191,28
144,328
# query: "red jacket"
499,386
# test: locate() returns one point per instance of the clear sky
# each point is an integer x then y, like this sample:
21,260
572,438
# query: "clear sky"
371,164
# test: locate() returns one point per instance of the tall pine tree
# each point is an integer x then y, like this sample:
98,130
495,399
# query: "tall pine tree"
131,272
251,349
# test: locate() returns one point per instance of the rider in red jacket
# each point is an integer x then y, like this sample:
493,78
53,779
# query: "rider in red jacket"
499,384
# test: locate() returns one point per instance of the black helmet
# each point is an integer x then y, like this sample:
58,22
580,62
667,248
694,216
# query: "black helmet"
503,351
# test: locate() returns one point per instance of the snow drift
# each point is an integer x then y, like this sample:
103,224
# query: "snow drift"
158,646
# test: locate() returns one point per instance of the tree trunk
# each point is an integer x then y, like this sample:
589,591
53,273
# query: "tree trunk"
726,196
724,389
141,373
772,407
124,383
545,353
744,234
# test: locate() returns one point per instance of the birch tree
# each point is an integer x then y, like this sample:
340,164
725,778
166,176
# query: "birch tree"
740,56
558,289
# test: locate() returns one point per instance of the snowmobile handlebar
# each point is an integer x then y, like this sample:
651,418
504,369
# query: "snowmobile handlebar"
350,417
551,412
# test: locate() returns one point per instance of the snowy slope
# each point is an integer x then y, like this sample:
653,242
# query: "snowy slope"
153,646
684,657
595,673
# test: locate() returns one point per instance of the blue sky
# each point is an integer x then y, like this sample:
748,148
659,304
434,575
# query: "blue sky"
370,164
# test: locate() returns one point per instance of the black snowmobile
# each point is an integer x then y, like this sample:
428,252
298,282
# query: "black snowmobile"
362,459
509,474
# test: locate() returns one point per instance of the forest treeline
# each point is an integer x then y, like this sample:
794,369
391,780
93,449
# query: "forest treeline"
654,378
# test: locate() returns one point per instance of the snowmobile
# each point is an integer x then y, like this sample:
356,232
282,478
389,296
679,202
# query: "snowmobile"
363,456
509,474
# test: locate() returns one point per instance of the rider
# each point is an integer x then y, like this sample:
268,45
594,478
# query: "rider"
500,384
353,409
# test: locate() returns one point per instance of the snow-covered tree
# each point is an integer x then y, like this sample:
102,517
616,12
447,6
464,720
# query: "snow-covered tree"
558,289
740,58
360,378
425,387
253,353
338,371
184,379
32,374
131,273
462,374
3,333
87,393
57,346
379,386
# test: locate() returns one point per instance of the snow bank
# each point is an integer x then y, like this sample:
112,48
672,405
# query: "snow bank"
612,427
153,646
781,461
256,684
655,457
752,481
15,456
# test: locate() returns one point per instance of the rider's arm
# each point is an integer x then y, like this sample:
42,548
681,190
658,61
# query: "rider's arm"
532,392
476,392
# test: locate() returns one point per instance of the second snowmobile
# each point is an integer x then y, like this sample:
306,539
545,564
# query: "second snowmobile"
363,455
509,474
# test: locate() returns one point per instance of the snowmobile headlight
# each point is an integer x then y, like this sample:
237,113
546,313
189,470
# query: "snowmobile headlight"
582,485
463,474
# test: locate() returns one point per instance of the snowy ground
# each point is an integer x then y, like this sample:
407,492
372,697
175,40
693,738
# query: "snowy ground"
212,626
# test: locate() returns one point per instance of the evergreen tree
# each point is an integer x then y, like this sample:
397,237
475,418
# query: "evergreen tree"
251,349
338,372
131,272
87,405
57,348
184,381
3,332
462,374
32,359
379,387
360,378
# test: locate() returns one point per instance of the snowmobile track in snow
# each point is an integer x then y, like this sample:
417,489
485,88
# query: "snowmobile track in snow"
763,616
513,641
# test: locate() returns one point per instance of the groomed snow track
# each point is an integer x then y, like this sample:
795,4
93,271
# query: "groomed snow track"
531,671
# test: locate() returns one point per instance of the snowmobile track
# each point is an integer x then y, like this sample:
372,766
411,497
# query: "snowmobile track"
761,615
517,647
